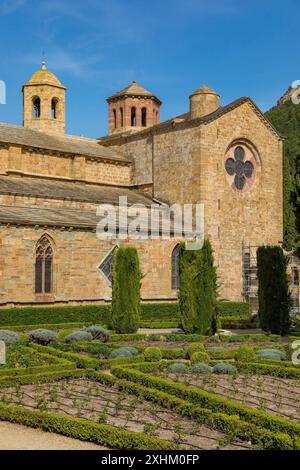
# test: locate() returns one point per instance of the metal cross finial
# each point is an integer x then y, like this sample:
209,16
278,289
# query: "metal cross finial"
44,60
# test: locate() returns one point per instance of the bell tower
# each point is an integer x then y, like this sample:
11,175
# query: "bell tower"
44,102
132,109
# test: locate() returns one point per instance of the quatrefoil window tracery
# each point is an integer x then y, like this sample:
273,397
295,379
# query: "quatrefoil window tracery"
240,169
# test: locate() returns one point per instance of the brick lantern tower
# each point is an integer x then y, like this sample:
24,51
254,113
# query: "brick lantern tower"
132,109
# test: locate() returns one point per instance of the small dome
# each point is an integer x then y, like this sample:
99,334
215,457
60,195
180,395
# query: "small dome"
44,77
205,90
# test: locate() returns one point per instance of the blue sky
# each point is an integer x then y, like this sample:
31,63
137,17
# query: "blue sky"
170,47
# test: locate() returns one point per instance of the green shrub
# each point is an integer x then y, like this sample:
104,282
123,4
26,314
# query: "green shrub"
271,354
201,368
223,368
126,308
178,368
273,290
152,354
44,337
124,352
9,337
199,357
245,354
78,336
97,333
195,347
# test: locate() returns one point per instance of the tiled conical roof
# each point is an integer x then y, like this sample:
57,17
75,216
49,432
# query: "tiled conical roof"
134,89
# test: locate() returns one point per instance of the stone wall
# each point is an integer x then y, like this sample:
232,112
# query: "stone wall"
42,162
186,162
77,255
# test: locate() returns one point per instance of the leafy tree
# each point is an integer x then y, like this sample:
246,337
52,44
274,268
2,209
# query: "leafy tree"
125,314
273,290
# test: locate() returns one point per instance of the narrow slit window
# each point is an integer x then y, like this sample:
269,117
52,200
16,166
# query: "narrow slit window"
175,268
121,117
53,108
115,118
36,108
144,117
133,117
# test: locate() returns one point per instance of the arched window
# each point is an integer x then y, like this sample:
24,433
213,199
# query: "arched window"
54,103
133,116
121,117
36,107
115,118
144,117
43,266
175,268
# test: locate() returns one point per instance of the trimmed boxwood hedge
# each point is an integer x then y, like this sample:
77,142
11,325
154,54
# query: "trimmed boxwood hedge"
95,314
78,428
211,401
228,308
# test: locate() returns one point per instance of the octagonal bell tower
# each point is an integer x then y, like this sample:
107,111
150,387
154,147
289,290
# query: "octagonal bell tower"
132,109
44,102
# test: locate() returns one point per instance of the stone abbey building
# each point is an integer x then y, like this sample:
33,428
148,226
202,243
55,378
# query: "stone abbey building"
227,157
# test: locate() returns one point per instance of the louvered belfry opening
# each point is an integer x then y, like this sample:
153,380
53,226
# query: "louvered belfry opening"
43,266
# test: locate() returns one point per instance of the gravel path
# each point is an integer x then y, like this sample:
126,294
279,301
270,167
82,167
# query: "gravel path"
18,437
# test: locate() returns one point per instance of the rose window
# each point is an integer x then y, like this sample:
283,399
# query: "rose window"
240,166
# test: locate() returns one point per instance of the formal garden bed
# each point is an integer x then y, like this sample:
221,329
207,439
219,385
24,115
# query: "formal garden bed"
89,373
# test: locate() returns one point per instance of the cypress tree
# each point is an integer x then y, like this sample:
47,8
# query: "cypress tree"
206,290
198,290
126,305
273,290
187,298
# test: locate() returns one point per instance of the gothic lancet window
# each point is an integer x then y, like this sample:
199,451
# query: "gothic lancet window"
43,266
175,268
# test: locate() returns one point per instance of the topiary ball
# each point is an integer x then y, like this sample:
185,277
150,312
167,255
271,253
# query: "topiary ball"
78,337
44,337
124,352
245,354
201,368
200,357
224,368
9,337
152,354
97,333
274,354
195,347
178,368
